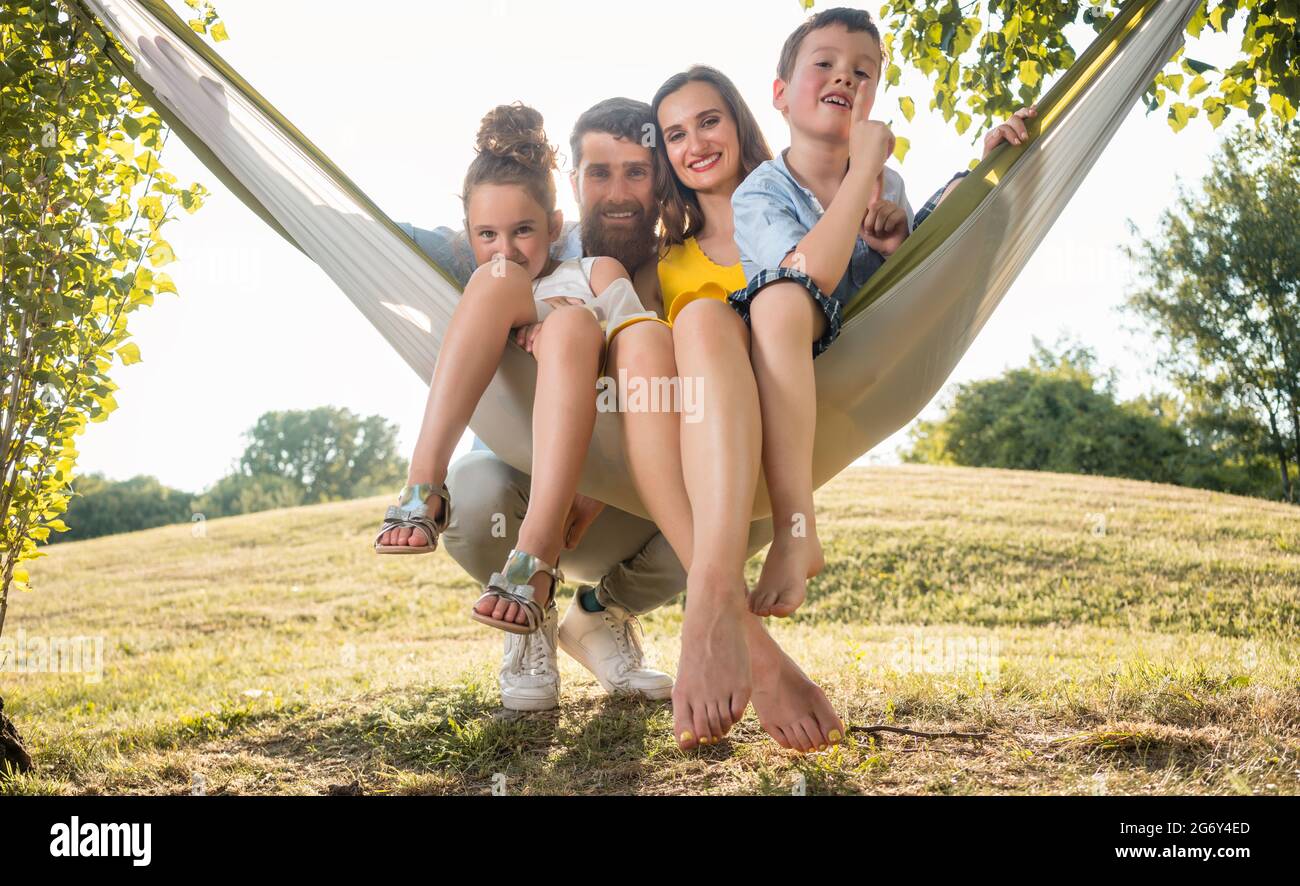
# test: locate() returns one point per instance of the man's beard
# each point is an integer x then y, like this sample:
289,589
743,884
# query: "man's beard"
633,245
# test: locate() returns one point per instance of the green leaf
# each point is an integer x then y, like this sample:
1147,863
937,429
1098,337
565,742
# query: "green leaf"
901,147
908,107
1029,73
130,353
1179,114
160,253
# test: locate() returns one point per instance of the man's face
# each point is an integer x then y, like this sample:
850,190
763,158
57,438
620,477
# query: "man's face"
614,187
819,97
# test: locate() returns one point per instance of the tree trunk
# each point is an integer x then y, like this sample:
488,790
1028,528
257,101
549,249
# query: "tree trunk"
1279,446
13,756
1295,431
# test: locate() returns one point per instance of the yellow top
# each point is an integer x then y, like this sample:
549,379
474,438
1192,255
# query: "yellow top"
686,274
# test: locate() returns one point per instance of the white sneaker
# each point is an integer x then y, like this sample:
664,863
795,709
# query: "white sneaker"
608,643
529,676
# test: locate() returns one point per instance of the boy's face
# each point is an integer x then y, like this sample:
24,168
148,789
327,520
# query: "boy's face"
818,99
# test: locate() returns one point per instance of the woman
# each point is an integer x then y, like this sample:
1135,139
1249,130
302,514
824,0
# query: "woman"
698,479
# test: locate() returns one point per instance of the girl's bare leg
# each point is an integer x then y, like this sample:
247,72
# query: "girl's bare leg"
790,707
568,352
493,303
785,323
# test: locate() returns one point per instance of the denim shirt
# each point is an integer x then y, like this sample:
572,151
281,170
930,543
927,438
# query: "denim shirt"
450,250
773,213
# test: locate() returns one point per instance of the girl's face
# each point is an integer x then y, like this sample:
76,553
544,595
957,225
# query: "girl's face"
505,220
819,97
701,138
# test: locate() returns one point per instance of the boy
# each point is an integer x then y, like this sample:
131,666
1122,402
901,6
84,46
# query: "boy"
812,226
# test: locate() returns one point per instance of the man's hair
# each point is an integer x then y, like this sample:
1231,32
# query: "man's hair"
857,21
620,117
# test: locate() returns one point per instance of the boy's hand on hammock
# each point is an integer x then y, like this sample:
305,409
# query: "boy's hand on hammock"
1014,131
581,515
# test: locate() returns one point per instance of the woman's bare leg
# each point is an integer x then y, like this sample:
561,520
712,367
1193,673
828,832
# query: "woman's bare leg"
790,707
720,467
568,352
492,304
786,321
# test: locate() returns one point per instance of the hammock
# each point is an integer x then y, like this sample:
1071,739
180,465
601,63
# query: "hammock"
905,331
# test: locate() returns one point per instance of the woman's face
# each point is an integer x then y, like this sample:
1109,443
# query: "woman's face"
700,138
505,220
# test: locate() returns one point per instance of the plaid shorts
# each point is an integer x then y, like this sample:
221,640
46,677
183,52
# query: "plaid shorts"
743,298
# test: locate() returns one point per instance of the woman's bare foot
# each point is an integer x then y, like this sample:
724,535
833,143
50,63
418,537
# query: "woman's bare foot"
783,583
791,708
713,683
414,537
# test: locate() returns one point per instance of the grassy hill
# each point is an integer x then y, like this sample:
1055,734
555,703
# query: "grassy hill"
1110,636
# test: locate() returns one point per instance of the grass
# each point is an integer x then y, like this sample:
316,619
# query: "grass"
1110,636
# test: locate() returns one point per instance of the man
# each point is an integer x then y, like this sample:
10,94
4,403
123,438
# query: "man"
626,564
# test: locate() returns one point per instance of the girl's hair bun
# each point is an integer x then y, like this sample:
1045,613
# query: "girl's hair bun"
514,132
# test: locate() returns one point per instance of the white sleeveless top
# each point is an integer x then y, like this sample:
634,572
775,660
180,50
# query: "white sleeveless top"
617,307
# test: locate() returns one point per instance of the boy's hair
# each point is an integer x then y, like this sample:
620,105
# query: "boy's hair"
620,117
857,21
513,150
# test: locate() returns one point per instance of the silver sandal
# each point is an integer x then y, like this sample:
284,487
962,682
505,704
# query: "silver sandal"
511,585
412,511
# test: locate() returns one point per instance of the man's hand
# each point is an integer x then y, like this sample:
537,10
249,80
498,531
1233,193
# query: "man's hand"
1013,131
581,515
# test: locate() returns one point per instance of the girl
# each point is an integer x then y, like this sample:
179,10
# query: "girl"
564,314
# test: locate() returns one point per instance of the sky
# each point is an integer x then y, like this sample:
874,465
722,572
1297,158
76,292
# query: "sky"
393,92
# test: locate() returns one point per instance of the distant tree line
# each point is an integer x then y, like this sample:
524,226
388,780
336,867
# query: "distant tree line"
292,458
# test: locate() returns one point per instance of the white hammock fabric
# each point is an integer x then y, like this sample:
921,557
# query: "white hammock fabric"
930,302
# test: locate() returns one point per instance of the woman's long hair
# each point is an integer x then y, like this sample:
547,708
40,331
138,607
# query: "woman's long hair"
679,209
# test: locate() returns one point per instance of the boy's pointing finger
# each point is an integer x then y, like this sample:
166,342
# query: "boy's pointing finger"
860,103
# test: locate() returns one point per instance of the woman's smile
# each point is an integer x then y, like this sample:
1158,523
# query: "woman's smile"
704,164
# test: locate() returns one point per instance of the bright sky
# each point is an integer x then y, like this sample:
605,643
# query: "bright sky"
393,93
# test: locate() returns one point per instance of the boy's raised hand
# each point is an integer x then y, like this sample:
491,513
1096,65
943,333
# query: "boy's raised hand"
870,142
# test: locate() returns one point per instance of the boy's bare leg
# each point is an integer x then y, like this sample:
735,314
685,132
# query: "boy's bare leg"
568,352
491,305
786,321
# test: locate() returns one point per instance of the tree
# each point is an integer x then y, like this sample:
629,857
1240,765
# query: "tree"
988,57
100,506
331,454
1057,414
1221,286
245,494
83,201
